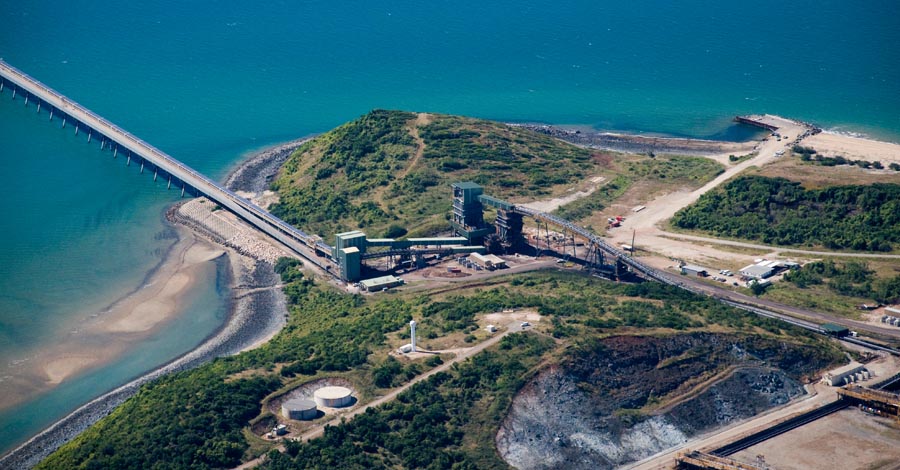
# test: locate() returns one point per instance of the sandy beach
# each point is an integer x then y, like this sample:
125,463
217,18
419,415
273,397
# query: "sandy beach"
106,335
855,148
258,309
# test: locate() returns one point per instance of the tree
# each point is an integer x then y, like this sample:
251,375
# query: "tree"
757,288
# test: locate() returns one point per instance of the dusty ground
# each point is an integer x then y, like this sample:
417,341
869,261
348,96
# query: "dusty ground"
819,395
854,147
849,439
816,176
306,391
574,194
581,413
646,223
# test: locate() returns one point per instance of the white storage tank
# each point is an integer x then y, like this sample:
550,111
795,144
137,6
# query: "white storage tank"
297,408
333,397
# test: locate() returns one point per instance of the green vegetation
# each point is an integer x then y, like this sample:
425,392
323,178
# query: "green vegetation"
809,154
852,278
367,174
679,170
781,212
445,422
199,418
194,419
597,201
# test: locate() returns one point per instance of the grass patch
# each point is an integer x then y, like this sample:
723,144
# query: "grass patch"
199,418
364,174
631,170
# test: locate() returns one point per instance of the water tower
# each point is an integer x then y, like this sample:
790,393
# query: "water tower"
412,335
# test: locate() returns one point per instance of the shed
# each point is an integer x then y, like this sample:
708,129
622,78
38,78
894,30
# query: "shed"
757,271
488,261
835,330
380,283
694,270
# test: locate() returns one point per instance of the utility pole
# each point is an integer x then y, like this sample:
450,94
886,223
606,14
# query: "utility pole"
632,242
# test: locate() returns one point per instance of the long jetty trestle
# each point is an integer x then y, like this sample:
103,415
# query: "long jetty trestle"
191,181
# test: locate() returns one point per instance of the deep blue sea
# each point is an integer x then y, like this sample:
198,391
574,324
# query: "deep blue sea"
210,81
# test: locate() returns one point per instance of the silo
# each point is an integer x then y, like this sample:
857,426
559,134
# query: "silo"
333,397
297,408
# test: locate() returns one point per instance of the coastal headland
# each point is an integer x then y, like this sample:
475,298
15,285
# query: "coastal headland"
258,310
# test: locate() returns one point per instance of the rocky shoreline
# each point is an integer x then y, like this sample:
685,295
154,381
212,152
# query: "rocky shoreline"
630,143
255,316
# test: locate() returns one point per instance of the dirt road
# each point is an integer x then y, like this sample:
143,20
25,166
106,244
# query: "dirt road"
317,431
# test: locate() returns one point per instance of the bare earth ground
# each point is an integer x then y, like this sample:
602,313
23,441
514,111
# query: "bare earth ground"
855,148
848,439
819,395
550,205
646,223
318,430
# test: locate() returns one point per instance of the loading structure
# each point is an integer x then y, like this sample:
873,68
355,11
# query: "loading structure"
877,401
469,202
352,248
468,213
699,460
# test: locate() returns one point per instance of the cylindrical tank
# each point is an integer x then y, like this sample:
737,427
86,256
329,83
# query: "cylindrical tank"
297,408
333,397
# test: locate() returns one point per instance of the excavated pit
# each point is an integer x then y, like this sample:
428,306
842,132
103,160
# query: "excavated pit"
625,398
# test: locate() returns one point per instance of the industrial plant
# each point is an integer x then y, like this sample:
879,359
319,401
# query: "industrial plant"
475,238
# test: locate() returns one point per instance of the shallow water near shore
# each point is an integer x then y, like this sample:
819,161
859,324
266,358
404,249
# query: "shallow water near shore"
205,307
209,82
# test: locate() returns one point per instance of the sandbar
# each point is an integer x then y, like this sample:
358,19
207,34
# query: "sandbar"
106,335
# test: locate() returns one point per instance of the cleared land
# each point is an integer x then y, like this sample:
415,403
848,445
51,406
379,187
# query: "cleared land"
854,147
848,439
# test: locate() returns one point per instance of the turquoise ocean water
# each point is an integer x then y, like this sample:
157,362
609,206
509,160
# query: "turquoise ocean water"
210,81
